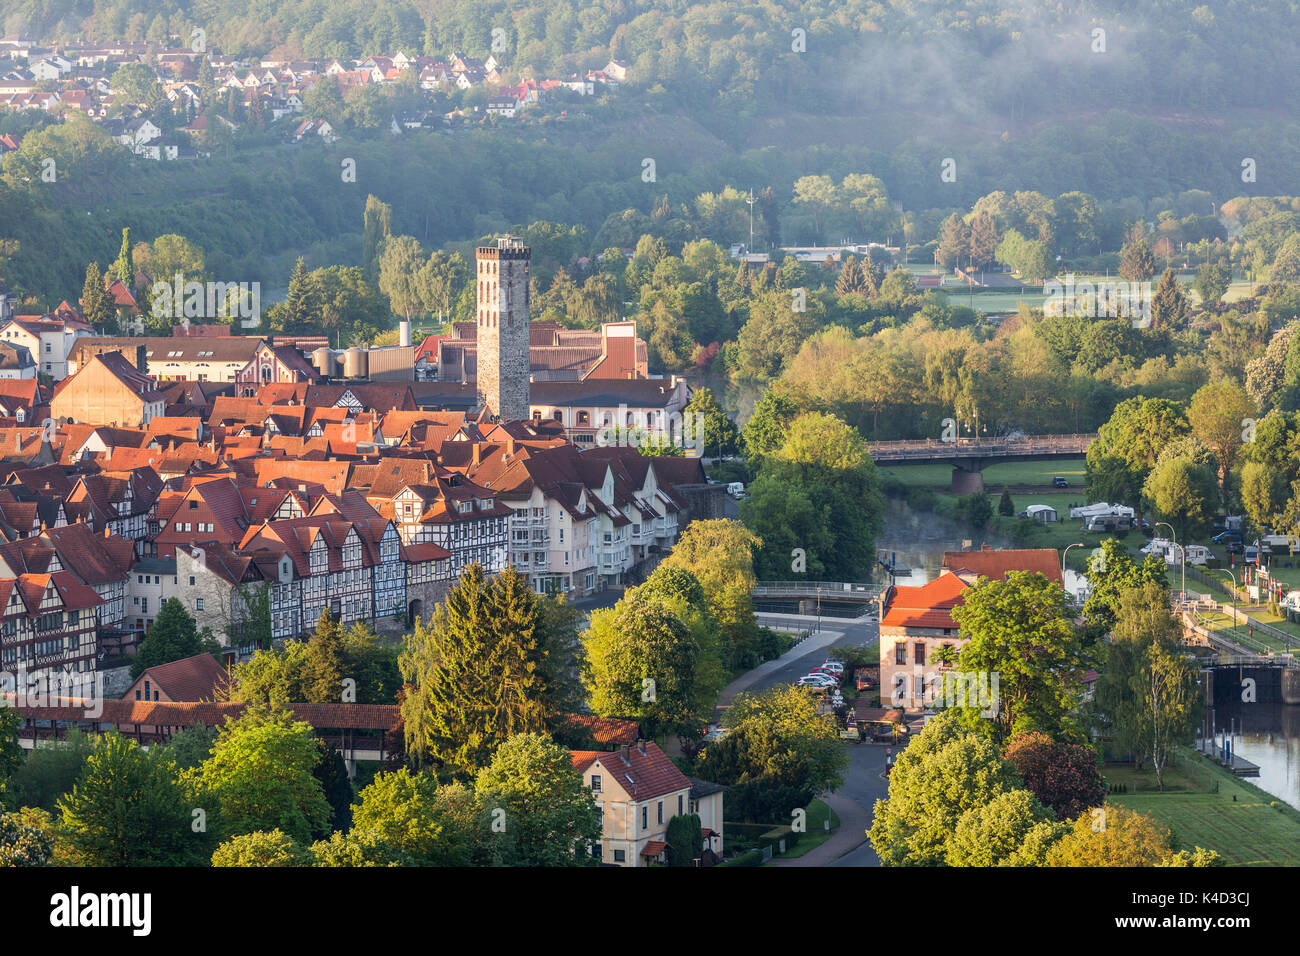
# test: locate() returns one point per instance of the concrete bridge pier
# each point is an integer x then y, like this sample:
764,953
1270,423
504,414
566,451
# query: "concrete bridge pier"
966,481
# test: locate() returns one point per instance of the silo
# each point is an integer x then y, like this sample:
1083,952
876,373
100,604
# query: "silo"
323,360
404,333
355,363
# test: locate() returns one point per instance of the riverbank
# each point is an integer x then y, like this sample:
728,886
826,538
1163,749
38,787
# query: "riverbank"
1206,806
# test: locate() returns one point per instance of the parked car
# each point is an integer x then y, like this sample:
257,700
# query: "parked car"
824,681
832,665
736,489
1060,482
1223,537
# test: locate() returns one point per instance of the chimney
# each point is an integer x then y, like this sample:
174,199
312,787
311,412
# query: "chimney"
475,452
640,745
141,359
623,752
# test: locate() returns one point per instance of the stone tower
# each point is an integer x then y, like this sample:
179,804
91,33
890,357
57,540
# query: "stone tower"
503,370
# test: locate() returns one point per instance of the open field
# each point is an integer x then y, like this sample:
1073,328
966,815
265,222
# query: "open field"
1247,832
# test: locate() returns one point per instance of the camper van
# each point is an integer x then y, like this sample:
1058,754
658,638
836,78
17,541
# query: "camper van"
736,489
1108,523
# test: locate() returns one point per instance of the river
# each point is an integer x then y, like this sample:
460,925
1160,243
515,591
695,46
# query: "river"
1267,734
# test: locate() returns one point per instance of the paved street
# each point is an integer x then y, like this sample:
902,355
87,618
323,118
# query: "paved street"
864,780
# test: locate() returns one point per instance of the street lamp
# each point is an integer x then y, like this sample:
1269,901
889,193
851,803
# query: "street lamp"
819,609
1234,595
1182,555
1064,553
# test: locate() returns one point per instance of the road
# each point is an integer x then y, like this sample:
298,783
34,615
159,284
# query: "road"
864,780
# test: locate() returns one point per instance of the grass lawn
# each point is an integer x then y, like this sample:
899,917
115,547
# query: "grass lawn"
817,833
1249,832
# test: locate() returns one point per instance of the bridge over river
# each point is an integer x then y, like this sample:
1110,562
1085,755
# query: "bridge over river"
970,456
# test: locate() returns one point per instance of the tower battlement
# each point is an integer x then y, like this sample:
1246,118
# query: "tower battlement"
503,327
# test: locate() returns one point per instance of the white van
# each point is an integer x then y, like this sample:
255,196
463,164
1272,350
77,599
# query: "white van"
736,489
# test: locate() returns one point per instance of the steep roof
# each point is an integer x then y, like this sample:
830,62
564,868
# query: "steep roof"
990,563
928,606
195,678
643,775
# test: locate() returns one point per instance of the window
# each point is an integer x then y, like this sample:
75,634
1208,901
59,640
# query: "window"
619,856
679,804
661,812
900,649
198,604
191,580
645,817
919,653
595,783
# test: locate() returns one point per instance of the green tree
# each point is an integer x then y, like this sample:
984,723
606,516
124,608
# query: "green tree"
945,771
96,304
684,840
410,813
377,225
766,428
124,267
1211,283
173,637
50,770
641,664
22,844
260,775
323,665
129,809
1112,572
1149,689
1116,836
400,262
1021,629
1219,415
549,817
1006,507
707,421
1137,263
1127,447
1169,304
473,675
262,848
1012,829
720,553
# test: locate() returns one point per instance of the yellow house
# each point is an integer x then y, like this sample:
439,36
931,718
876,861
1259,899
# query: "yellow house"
107,390
638,790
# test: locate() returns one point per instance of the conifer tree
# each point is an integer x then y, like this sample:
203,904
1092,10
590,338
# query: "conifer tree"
124,267
96,305
324,665
472,676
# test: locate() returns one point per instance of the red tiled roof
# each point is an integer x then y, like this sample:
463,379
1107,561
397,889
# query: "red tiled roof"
610,731
643,775
653,848
929,605
990,563
192,679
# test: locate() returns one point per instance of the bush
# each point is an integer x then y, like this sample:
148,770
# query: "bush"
922,499
748,858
